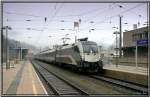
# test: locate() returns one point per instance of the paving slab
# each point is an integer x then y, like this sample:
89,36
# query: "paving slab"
22,80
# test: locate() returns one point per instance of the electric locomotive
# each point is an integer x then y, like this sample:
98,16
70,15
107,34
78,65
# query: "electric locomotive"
82,55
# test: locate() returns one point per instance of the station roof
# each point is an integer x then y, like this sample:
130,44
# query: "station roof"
137,30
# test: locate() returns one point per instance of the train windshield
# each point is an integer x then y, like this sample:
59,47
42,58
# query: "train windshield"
90,48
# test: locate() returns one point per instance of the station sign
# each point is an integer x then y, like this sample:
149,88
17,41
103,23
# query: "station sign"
142,42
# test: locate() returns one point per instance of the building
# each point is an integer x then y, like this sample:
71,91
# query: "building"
18,53
132,39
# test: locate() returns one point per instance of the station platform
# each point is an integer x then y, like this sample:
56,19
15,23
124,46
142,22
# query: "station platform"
22,80
129,69
138,75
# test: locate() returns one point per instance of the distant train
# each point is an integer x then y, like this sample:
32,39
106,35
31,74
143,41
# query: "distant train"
83,56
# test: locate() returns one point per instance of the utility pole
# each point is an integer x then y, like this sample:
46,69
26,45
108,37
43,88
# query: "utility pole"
7,50
50,42
136,56
116,51
2,44
7,46
20,51
16,52
116,47
120,30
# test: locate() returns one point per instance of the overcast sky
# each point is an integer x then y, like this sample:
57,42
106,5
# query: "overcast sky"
27,21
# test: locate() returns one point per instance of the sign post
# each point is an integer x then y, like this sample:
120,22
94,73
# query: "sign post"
142,42
136,56
116,48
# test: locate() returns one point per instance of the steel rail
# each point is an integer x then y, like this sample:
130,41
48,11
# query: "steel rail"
56,92
123,84
49,85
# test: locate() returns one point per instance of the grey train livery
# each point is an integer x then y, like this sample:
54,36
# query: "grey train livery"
83,56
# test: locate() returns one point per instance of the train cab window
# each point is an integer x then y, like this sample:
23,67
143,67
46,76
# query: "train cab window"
87,48
76,49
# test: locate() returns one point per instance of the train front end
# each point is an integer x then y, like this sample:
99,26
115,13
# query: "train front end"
90,56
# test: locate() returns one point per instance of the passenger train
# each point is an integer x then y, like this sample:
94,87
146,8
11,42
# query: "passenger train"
82,55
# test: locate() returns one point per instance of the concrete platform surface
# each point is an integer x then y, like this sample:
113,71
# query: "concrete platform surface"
129,69
22,80
132,74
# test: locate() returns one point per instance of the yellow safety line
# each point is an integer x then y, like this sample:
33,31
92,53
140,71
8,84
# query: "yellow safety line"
33,82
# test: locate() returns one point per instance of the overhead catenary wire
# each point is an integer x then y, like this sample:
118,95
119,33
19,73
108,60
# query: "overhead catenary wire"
54,16
80,14
23,14
56,12
136,14
116,15
31,15
40,35
100,13
89,12
83,13
133,12
50,20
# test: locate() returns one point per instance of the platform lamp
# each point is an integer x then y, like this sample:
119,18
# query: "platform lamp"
16,52
7,46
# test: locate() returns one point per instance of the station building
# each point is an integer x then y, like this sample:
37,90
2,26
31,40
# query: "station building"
132,39
18,53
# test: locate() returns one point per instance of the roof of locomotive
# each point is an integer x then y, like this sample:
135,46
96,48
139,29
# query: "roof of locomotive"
47,51
88,42
74,44
60,47
67,46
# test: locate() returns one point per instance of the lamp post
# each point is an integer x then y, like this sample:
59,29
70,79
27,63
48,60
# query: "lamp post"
20,51
136,55
120,30
7,46
16,51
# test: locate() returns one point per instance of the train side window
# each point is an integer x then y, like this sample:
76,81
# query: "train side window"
76,49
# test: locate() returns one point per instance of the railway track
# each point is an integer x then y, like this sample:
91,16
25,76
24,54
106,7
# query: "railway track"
59,86
119,85
127,85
